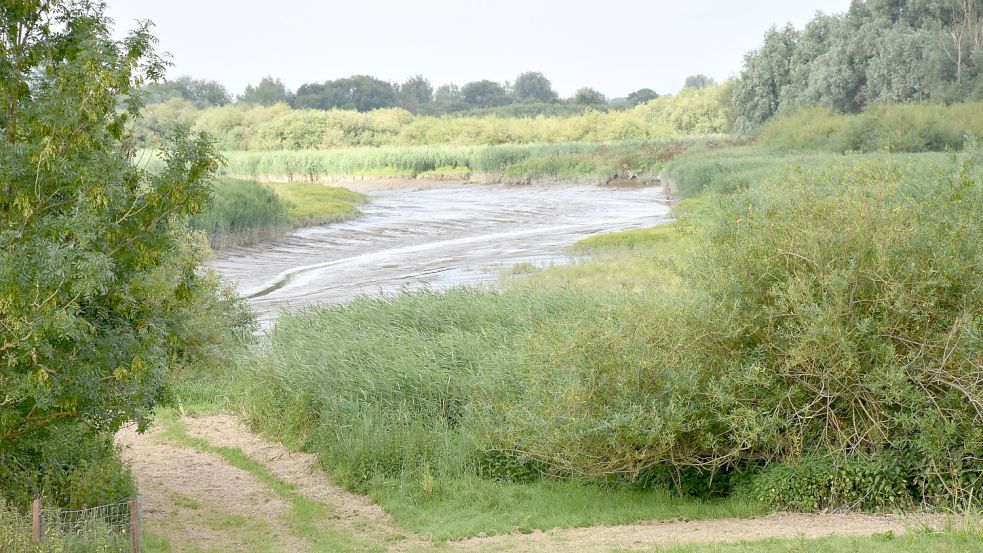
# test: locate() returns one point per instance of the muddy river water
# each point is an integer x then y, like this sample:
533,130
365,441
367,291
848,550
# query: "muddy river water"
462,235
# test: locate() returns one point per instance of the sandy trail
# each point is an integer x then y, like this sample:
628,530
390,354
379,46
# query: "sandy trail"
660,534
199,497
184,488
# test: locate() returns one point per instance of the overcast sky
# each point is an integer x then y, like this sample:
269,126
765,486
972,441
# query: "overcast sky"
616,46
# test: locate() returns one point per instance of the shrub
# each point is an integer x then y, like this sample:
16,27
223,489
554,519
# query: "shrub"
822,484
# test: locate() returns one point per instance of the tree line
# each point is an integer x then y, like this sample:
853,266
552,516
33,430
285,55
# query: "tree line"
878,52
417,95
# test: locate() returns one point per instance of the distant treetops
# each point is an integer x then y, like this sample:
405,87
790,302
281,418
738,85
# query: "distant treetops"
877,52
416,95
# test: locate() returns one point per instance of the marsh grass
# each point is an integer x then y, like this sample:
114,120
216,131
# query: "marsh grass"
244,212
523,163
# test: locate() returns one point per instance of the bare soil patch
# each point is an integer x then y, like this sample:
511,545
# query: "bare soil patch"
195,498
647,535
353,511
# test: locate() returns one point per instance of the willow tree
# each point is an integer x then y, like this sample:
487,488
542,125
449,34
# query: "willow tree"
101,287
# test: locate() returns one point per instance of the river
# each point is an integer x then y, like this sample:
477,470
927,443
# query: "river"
460,235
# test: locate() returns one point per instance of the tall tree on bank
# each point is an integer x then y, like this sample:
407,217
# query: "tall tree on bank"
101,286
416,94
589,97
533,87
878,51
485,94
268,92
200,92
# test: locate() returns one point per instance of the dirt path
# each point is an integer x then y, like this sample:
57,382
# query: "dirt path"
198,501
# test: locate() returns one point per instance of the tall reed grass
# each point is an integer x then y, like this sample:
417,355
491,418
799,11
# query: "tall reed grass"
244,212
508,163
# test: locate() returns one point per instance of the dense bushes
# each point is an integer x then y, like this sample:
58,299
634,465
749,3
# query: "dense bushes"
250,127
73,468
894,128
824,350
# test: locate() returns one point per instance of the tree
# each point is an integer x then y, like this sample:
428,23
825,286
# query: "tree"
485,94
448,99
101,283
766,73
641,96
311,96
589,97
268,92
416,93
533,87
698,81
364,93
199,92
358,92
965,34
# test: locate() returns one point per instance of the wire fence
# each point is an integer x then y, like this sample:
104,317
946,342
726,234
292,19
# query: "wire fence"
112,528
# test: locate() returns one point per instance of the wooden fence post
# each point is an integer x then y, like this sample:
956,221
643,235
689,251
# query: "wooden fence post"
135,523
36,519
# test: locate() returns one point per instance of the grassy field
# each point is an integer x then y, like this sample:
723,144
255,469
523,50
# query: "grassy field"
244,212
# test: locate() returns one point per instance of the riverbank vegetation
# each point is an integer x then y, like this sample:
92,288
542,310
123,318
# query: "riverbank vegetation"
596,163
280,127
804,337
244,212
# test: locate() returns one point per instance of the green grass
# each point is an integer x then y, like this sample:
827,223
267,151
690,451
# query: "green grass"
243,211
469,506
314,204
564,162
957,540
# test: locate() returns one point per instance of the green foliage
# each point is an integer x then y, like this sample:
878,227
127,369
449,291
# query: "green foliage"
911,51
102,296
415,94
895,128
533,87
93,536
698,81
268,92
250,127
824,484
589,97
358,92
239,205
520,163
824,311
244,212
641,96
73,469
450,509
485,94
199,92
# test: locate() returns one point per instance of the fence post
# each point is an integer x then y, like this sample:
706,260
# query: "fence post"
135,523
36,519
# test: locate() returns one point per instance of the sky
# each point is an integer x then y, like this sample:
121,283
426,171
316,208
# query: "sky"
615,46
